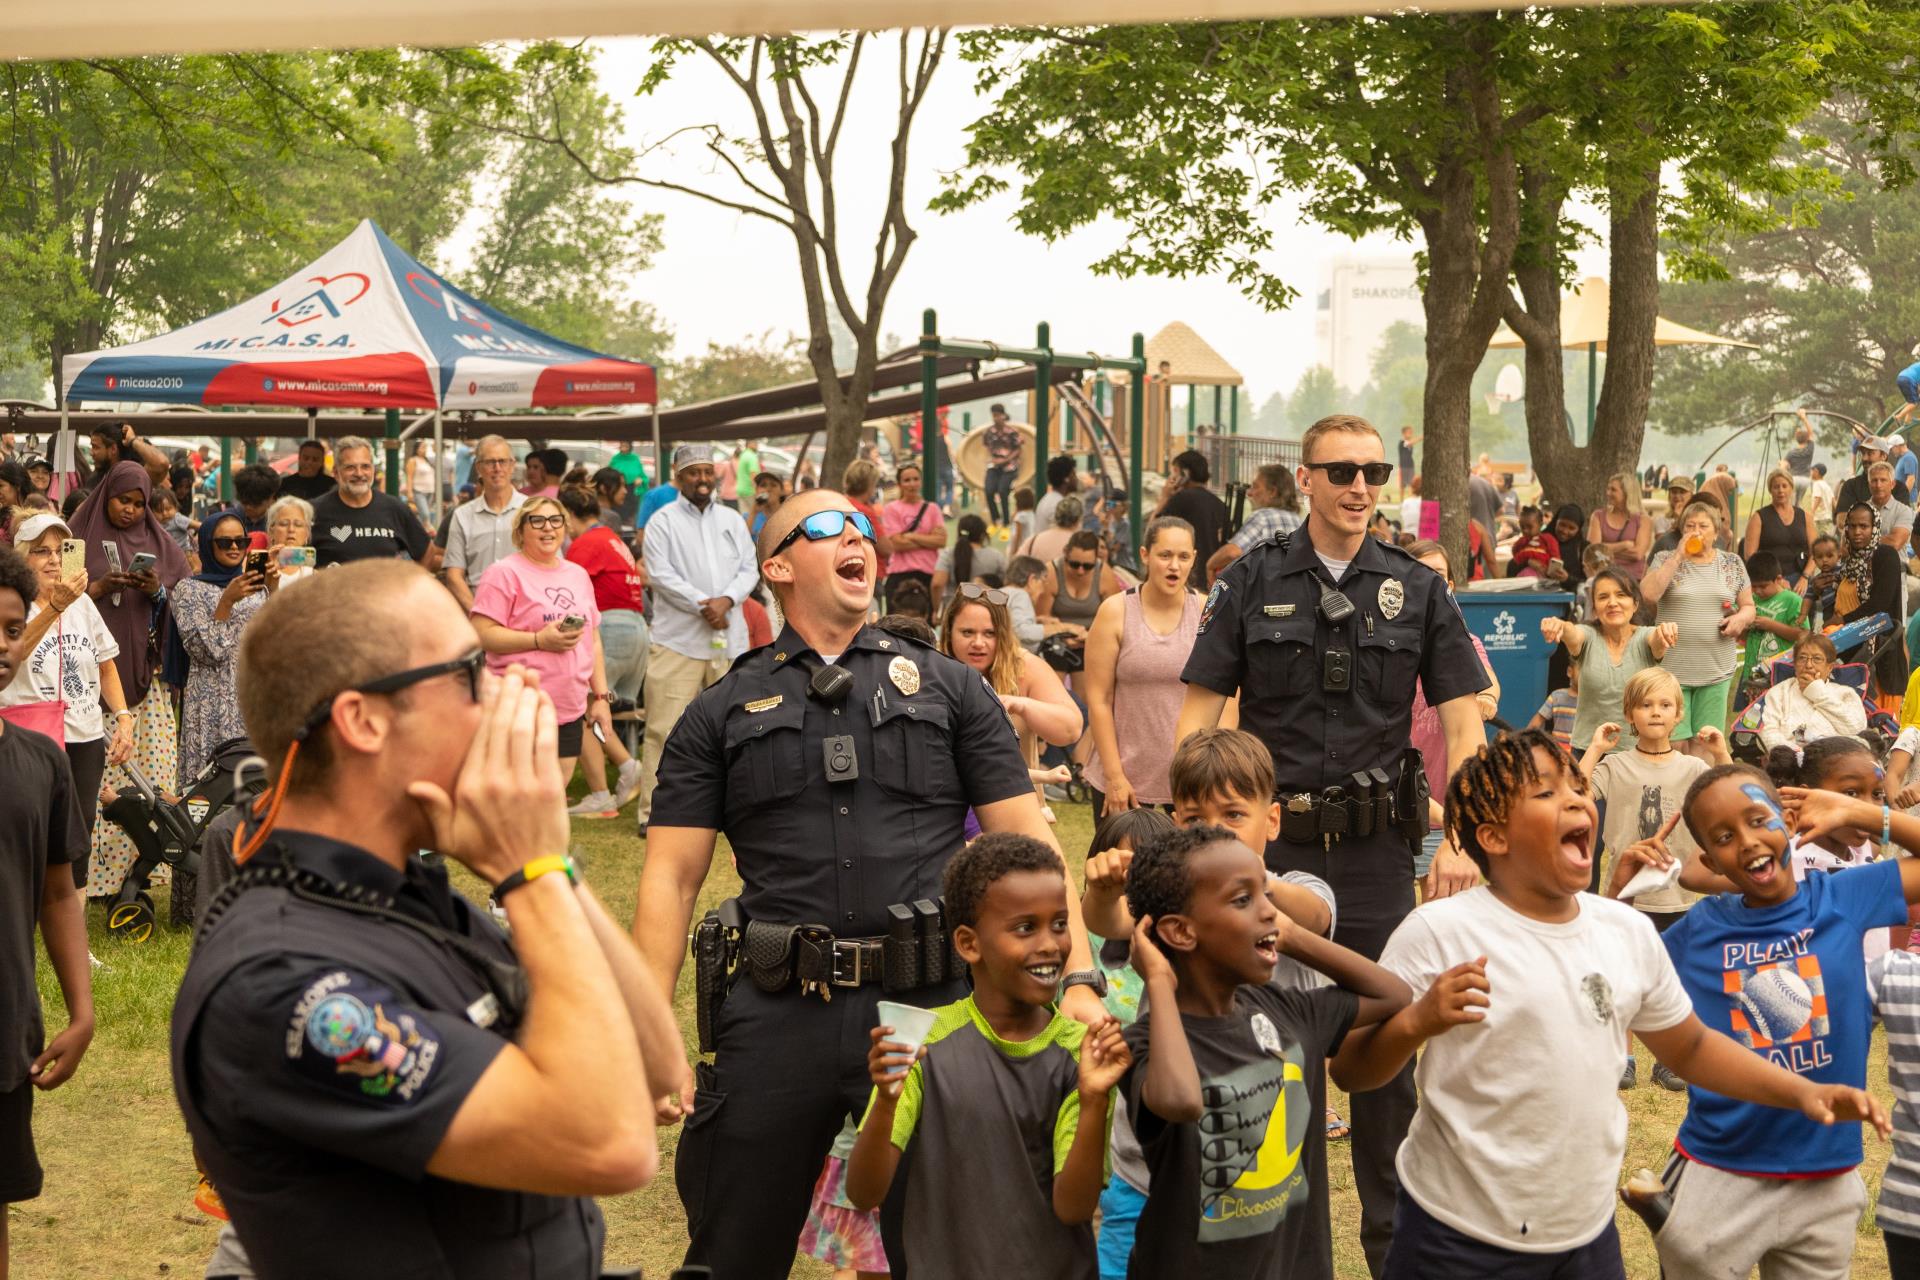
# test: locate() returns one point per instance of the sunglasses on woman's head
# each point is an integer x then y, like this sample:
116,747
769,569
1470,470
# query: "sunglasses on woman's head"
974,591
822,525
229,544
1342,473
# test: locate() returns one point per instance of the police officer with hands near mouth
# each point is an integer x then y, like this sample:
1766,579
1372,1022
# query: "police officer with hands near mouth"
1322,633
368,1067
840,761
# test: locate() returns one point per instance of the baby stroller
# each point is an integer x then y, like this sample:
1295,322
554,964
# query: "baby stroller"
169,832
1866,634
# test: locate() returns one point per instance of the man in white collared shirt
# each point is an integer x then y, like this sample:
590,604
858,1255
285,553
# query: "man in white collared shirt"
700,566
482,530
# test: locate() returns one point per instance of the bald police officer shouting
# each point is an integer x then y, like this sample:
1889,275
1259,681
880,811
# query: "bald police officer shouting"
1323,634
840,761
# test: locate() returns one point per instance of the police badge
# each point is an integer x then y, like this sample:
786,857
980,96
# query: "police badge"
1392,596
905,675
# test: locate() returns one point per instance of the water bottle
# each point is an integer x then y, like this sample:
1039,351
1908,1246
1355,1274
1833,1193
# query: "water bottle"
1647,1196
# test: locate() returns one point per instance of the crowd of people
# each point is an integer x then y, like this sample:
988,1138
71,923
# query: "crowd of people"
1629,877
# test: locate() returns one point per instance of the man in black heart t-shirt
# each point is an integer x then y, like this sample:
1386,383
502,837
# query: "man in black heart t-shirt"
352,522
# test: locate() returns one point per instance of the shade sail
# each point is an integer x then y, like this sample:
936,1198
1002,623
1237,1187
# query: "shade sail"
126,28
1583,323
363,326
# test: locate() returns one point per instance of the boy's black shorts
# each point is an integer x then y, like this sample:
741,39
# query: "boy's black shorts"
20,1175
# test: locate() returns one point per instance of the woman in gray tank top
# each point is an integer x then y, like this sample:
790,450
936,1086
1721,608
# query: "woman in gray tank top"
1075,592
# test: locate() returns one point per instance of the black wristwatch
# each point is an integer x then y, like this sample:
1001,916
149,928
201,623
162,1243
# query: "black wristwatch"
1093,978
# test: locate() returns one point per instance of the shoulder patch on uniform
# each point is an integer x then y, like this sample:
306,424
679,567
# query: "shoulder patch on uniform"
1215,598
349,1036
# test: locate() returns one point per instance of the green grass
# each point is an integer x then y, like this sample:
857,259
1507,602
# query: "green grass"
120,1176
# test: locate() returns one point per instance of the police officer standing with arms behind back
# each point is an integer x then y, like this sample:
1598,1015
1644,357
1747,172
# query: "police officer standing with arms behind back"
1322,633
367,1067
840,761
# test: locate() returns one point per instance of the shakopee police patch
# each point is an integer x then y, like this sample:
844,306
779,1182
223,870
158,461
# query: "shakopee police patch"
350,1036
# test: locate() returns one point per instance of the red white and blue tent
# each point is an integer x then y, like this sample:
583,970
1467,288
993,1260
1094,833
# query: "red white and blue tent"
363,326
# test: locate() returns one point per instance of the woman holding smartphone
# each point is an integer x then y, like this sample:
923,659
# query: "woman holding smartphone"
537,608
210,610
132,563
67,655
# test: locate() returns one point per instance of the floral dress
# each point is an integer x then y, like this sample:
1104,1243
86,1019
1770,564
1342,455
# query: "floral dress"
154,753
210,711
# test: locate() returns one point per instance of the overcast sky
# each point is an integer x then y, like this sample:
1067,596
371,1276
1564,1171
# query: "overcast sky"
724,275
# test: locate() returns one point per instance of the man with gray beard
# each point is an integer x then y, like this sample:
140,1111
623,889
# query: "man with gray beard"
355,523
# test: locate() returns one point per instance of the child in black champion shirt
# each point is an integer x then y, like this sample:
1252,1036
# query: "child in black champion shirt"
1220,1093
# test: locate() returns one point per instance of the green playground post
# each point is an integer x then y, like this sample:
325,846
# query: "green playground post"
226,468
930,402
1233,414
253,450
393,452
1193,410
1042,407
1217,414
1136,435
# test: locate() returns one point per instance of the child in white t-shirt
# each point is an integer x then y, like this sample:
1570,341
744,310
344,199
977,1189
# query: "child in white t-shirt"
1524,988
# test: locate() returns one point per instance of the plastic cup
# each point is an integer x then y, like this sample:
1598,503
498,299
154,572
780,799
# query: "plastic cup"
910,1024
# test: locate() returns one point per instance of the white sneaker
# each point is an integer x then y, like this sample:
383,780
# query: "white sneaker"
597,804
629,784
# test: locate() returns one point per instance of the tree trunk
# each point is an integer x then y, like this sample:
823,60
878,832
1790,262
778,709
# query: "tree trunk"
1633,258
1537,322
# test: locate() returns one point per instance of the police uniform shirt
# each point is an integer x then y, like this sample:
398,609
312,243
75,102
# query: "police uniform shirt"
319,1058
748,757
1261,635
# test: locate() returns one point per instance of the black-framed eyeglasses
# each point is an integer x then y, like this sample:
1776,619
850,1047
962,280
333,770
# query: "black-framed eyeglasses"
472,663
229,544
974,591
546,522
1342,473
1083,565
822,525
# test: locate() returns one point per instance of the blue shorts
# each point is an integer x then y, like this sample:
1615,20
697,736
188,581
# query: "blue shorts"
1120,1207
1425,1248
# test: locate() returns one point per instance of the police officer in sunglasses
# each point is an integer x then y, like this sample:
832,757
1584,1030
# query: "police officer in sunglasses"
840,762
1323,633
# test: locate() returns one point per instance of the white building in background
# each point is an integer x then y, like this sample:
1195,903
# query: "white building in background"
1362,298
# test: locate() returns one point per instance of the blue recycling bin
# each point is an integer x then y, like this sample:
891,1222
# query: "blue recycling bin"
1508,624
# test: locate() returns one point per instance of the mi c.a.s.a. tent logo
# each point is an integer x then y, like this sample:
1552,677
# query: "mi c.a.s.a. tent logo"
329,296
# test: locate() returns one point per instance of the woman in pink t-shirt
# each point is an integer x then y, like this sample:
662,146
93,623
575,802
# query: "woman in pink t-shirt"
537,609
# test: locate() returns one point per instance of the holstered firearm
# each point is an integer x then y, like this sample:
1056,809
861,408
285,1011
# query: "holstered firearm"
1410,800
716,956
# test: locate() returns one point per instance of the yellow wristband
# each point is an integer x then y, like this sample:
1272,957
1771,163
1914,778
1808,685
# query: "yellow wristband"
534,870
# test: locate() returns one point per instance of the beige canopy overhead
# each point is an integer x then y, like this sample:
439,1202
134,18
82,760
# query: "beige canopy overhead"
1583,324
125,28
1194,363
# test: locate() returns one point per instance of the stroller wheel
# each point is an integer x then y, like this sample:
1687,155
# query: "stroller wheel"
132,921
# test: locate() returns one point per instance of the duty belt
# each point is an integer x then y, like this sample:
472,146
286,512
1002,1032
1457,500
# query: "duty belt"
1369,802
777,956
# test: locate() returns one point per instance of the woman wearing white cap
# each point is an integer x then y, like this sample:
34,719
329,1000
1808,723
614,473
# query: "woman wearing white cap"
70,660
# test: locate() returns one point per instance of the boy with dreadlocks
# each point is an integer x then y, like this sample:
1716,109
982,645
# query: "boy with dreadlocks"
1508,1170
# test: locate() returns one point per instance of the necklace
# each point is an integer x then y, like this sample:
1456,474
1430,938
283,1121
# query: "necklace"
1643,751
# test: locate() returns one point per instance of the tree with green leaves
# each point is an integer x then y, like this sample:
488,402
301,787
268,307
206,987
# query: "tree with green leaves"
140,195
733,368
1828,300
1468,131
797,92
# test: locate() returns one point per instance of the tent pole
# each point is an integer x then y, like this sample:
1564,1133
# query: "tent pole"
439,467
659,458
393,453
226,469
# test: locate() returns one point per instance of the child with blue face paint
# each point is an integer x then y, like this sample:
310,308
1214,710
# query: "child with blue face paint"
1776,962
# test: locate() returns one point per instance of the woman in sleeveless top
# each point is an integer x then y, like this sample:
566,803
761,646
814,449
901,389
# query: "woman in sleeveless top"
1620,529
1784,529
1139,644
1070,596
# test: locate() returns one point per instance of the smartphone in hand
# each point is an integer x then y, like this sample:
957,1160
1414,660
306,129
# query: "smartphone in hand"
573,622
256,561
73,557
143,562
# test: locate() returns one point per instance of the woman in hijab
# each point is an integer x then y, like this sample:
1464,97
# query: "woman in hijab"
115,513
210,610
